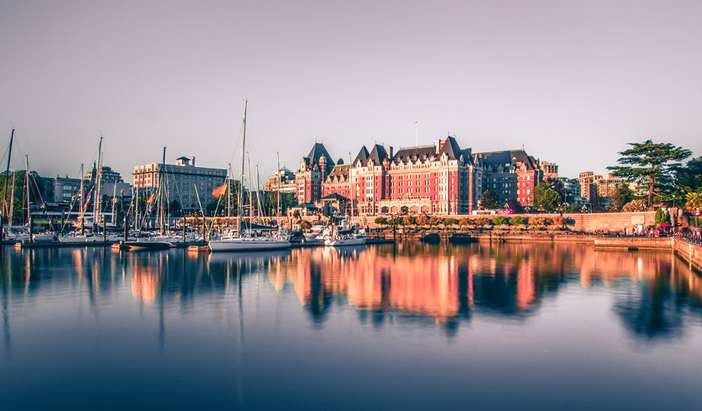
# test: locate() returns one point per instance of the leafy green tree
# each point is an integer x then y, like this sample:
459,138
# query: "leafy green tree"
620,196
501,220
546,198
660,216
652,165
634,205
694,201
381,220
488,200
688,179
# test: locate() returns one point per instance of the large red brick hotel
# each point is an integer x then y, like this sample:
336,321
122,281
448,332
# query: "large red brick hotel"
442,179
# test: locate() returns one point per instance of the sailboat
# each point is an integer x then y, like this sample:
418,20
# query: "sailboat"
337,237
161,241
237,242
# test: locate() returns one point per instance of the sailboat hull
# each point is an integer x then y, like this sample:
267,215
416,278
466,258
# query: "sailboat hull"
245,244
345,242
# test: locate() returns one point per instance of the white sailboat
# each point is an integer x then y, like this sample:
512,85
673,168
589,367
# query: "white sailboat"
237,242
338,236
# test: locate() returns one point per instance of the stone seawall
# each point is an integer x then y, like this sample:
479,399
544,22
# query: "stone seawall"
635,243
692,253
584,223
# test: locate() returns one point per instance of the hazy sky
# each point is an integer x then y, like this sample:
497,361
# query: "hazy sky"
571,81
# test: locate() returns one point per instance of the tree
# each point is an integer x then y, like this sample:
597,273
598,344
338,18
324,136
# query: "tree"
620,196
661,216
546,198
381,220
650,164
634,205
694,201
488,200
688,179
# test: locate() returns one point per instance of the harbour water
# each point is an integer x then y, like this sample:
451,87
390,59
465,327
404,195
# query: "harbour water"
409,326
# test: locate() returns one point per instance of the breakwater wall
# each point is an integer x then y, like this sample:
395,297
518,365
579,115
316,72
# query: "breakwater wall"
691,253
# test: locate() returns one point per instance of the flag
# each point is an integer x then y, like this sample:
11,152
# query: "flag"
219,191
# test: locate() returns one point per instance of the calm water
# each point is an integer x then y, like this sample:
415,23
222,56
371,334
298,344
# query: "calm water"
406,327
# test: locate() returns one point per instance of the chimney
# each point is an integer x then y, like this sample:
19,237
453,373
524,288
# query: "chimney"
391,152
193,161
437,147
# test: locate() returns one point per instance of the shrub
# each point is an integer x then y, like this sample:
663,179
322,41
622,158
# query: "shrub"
435,220
450,221
381,220
423,219
501,220
395,221
541,221
482,221
520,220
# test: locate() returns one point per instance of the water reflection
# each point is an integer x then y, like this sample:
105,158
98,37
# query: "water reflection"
653,294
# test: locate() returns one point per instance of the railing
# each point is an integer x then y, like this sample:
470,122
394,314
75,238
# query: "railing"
690,237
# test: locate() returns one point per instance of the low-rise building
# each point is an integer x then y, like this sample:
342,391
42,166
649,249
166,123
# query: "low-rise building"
282,181
313,170
511,175
184,182
66,190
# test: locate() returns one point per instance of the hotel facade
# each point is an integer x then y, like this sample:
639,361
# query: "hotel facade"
438,179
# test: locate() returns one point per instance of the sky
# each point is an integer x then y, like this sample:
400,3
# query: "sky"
570,81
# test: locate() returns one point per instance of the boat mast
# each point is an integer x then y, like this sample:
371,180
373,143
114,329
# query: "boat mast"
12,201
250,185
97,196
277,209
229,193
243,165
136,207
161,199
81,211
26,184
258,194
114,202
7,180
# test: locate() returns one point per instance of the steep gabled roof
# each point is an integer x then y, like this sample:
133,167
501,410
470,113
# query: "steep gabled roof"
339,172
451,148
362,156
409,152
378,155
317,153
508,157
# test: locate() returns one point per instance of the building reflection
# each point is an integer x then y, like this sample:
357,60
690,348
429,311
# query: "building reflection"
446,284
653,294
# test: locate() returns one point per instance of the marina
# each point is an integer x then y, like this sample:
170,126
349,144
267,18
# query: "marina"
461,318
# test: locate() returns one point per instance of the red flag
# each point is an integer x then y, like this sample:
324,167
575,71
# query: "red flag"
219,191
